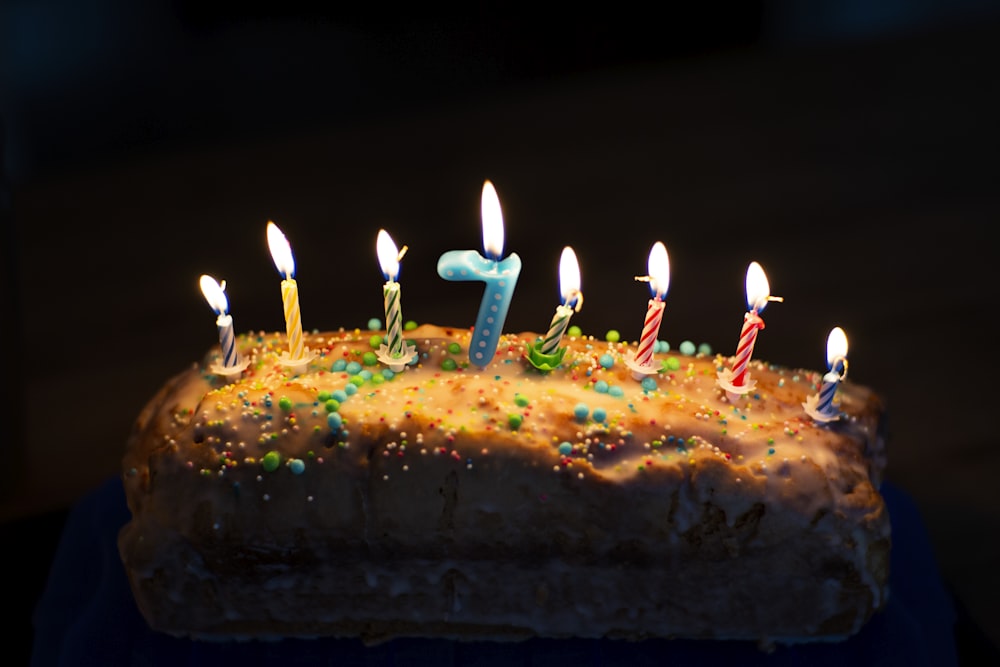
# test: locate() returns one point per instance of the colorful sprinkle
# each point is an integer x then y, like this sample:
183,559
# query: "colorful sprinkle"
271,461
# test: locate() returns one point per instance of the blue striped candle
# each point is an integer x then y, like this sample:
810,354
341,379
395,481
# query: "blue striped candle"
820,406
216,296
836,360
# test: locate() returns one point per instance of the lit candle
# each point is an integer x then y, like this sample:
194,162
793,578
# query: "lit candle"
820,406
393,353
572,300
658,277
500,276
281,253
215,294
736,381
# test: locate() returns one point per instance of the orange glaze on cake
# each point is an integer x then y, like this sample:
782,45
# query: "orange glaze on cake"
270,452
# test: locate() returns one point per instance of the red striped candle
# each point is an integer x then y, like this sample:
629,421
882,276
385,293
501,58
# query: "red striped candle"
659,280
752,323
736,380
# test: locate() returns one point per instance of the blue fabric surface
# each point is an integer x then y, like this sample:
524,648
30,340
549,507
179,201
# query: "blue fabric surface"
86,616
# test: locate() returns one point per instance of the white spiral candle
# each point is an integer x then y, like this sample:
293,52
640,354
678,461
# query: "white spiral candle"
216,296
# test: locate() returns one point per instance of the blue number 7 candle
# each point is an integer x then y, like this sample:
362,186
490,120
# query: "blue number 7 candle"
500,276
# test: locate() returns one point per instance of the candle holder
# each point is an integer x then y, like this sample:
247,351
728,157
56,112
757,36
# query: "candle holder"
735,392
639,369
296,365
397,363
230,373
545,362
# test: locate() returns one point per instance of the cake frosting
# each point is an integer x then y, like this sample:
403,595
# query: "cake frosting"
505,502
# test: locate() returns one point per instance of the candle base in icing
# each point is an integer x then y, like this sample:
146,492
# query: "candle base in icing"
824,416
640,370
397,364
735,392
230,373
544,362
296,366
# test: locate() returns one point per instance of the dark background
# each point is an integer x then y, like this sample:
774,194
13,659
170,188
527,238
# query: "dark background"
850,147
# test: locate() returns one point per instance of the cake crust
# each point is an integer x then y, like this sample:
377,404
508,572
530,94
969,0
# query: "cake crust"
446,500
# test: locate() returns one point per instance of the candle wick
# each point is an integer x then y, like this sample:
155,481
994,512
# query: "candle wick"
222,286
843,362
644,279
578,295
775,298
402,251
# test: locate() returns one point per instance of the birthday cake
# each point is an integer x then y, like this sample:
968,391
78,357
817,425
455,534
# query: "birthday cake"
533,497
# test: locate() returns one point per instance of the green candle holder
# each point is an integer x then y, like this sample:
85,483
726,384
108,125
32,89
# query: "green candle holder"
545,362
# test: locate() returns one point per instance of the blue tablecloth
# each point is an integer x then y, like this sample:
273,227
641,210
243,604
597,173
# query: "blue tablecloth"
86,616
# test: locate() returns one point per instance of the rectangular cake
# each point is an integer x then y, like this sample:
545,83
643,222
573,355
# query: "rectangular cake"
347,499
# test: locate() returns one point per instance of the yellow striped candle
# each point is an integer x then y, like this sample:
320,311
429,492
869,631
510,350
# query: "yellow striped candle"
281,253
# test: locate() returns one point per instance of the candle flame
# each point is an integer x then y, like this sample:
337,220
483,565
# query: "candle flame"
388,255
836,347
281,252
569,277
215,294
758,291
492,222
659,270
